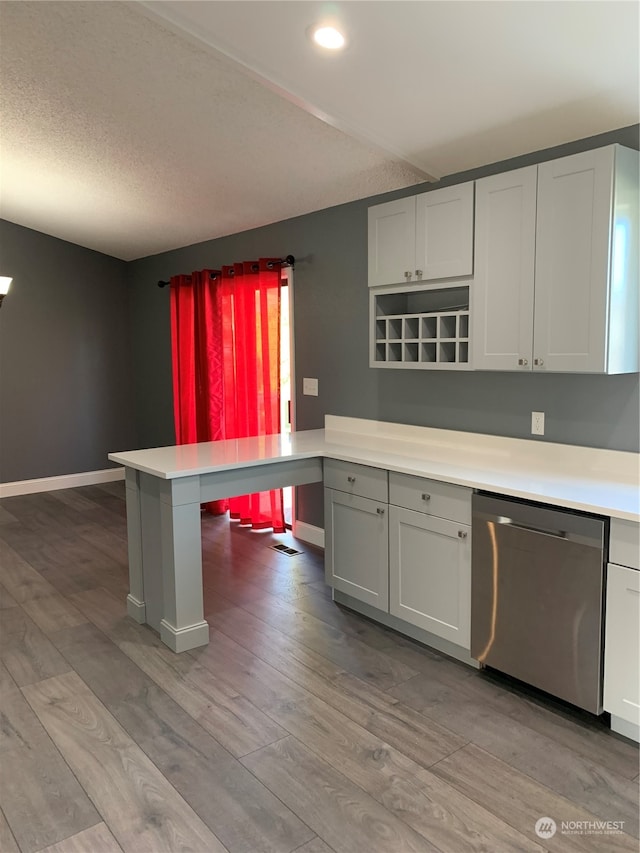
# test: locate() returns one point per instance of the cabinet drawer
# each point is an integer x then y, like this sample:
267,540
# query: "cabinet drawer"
624,544
356,479
430,496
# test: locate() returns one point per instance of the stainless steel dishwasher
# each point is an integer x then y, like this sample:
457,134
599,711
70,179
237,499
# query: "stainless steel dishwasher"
537,596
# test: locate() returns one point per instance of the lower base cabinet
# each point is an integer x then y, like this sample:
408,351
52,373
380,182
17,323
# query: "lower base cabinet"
430,574
357,547
405,550
406,553
621,649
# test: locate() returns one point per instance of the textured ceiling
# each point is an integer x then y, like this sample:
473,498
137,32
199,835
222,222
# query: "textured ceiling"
446,86
119,135
134,128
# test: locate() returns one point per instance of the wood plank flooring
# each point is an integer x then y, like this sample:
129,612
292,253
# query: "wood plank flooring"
300,727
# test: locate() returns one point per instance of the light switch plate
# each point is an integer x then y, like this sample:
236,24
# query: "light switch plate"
310,387
537,423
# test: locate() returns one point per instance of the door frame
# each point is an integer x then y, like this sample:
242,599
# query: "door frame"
286,273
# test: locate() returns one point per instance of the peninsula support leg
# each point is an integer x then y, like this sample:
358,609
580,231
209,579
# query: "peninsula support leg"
135,600
182,626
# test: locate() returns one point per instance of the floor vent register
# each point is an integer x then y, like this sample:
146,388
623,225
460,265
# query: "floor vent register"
284,549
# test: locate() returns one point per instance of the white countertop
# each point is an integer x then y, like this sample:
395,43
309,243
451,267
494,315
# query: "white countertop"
588,479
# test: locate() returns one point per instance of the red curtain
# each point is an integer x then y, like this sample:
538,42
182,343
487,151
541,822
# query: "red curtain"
226,367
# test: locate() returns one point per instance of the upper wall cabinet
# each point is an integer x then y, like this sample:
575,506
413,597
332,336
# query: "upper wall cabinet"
422,238
556,269
586,289
502,297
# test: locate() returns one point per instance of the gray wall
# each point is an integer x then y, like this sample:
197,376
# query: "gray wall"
331,327
78,347
65,365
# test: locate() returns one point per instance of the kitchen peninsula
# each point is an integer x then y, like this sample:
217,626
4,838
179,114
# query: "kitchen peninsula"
165,487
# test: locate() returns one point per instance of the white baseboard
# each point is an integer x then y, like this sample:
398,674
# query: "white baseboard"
308,533
64,481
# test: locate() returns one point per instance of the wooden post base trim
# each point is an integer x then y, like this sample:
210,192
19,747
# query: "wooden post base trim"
625,728
183,639
136,609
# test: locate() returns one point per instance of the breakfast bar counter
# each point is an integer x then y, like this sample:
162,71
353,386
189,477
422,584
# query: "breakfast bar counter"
165,487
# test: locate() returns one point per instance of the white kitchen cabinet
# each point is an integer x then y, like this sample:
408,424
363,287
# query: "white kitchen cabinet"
392,241
444,233
357,531
405,559
622,629
586,298
430,573
502,297
430,556
427,237
357,547
621,650
558,292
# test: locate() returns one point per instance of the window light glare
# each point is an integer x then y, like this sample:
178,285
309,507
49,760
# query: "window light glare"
5,284
329,38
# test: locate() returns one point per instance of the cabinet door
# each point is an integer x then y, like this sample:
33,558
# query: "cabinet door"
621,654
502,293
444,233
572,262
392,242
430,574
357,547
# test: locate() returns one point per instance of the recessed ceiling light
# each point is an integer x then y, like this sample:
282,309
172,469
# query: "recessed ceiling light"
328,37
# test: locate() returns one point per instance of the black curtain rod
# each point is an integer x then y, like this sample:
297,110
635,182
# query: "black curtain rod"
289,261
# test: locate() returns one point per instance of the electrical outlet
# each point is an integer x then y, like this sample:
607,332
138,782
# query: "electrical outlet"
537,423
310,387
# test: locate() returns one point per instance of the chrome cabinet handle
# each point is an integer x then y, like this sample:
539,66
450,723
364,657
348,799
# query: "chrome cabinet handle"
408,275
462,534
351,479
539,361
426,497
418,273
380,511
523,361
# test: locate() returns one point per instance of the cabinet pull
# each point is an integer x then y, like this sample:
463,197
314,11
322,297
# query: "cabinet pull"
426,497
462,534
523,361
408,275
539,361
351,479
418,273
380,511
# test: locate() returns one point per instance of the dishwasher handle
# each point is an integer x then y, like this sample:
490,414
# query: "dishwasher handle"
561,525
509,522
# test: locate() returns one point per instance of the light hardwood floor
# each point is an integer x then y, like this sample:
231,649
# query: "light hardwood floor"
300,727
